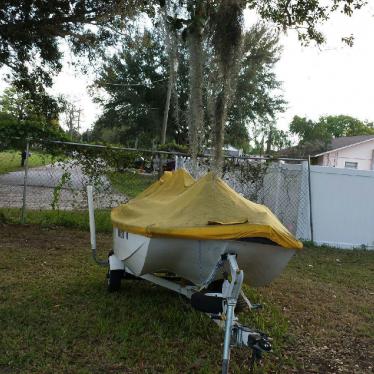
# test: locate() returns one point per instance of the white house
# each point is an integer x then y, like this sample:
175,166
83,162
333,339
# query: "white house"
353,152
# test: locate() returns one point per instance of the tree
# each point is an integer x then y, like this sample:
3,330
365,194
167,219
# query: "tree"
214,28
17,104
31,33
134,81
193,33
310,131
343,125
71,118
256,99
224,20
13,133
328,127
19,120
20,106
226,25
315,136
146,60
171,43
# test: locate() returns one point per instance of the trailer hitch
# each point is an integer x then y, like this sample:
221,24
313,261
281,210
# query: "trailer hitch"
237,335
257,341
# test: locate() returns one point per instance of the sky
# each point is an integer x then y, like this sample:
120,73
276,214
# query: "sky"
328,80
334,78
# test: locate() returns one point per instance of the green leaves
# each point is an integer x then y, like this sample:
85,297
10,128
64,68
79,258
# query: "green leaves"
304,16
328,127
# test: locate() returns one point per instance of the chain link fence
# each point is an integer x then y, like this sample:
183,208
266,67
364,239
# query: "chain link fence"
53,176
282,185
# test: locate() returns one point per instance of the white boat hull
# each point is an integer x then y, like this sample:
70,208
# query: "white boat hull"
195,260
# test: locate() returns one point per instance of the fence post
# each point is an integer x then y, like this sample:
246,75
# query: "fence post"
160,165
302,228
26,168
278,188
310,202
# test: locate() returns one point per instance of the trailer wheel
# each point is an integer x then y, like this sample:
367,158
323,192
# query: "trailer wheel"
114,280
216,286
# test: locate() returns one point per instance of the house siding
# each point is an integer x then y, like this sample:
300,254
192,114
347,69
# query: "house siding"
361,153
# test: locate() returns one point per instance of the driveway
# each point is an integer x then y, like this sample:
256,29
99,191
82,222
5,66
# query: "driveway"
41,183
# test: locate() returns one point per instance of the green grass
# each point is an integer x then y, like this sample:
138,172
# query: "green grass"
11,160
56,316
52,218
131,183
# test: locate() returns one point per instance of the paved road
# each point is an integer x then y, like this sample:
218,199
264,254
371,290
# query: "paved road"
41,183
50,176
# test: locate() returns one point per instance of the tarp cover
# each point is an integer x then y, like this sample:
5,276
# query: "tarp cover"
177,206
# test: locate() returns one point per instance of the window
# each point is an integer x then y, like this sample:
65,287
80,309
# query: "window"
351,165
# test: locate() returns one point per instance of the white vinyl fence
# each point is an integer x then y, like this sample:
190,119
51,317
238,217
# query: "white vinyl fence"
343,207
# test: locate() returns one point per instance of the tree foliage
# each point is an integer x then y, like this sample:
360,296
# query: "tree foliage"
223,21
20,119
14,133
305,16
130,97
32,32
257,98
135,84
314,136
328,127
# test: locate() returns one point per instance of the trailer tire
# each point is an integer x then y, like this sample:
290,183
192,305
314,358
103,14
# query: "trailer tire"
114,280
216,286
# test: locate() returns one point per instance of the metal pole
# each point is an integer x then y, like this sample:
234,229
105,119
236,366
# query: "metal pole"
228,327
26,167
91,215
310,202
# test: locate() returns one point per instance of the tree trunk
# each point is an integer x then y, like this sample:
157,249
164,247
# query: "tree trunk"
175,100
227,41
196,111
269,141
171,45
167,105
219,128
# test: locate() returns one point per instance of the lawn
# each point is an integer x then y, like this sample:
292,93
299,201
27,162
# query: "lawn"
51,218
56,316
11,160
131,183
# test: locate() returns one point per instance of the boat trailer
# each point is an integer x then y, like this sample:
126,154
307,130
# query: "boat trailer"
219,304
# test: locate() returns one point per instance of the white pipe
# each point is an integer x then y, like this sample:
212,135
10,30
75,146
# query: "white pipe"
91,213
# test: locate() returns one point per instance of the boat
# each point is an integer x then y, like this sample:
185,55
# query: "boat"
208,239
182,226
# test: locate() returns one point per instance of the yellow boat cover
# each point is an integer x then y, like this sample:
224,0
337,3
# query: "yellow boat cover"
177,206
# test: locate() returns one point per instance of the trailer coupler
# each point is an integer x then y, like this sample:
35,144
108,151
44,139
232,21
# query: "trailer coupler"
246,337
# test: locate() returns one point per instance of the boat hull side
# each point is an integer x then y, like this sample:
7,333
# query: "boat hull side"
195,260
